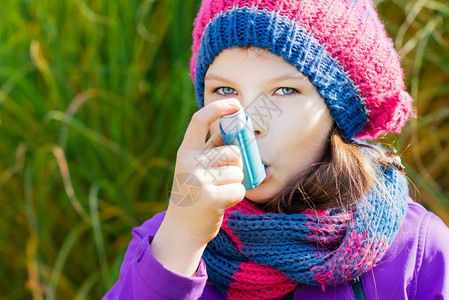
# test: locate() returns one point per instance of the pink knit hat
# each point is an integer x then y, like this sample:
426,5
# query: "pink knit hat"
341,45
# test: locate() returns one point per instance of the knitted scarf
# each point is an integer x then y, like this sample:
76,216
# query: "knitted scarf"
260,255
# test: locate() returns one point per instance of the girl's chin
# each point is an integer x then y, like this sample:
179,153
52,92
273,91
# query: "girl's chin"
262,193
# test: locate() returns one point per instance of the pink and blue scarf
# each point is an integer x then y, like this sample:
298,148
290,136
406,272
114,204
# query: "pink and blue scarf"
260,255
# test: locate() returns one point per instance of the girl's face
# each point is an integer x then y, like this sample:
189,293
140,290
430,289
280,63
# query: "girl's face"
291,120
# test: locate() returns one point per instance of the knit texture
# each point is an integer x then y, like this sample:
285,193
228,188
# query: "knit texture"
340,45
259,255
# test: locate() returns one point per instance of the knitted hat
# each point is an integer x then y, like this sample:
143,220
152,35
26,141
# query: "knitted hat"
341,46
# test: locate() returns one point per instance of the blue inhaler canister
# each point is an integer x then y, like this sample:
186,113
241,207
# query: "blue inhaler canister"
237,129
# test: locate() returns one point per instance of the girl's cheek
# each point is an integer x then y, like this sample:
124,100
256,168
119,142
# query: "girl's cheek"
208,100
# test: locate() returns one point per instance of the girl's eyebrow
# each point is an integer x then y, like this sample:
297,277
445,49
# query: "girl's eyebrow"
217,78
293,76
285,77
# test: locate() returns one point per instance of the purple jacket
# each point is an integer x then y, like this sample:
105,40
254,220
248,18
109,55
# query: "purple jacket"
415,267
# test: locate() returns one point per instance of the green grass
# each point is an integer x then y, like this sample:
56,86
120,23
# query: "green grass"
86,90
421,36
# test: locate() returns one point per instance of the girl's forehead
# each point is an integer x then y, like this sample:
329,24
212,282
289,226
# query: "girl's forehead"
255,57
255,62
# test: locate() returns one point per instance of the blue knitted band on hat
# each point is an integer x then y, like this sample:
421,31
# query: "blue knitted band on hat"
250,26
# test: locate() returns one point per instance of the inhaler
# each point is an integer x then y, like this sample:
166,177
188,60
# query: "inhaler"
237,129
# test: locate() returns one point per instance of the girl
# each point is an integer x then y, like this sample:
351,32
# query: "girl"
332,219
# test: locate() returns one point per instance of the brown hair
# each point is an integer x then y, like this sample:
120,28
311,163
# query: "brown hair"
343,176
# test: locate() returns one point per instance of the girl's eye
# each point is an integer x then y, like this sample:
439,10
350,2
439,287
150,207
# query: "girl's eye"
225,91
285,91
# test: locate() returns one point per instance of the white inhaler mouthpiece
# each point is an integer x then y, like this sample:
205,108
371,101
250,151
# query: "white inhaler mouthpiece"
237,129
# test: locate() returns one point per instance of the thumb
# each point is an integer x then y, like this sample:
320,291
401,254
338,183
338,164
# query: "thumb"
196,132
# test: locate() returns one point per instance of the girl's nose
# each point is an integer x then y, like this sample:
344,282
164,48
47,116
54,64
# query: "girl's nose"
255,108
258,133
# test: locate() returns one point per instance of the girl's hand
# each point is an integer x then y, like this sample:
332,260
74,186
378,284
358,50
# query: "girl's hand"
207,177
207,180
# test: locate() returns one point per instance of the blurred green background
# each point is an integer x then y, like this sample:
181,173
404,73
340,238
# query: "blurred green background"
95,97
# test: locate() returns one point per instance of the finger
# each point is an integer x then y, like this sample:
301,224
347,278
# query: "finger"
220,156
232,193
198,128
216,140
225,175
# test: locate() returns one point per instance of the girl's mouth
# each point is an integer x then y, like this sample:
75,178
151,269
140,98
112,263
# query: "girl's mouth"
267,173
